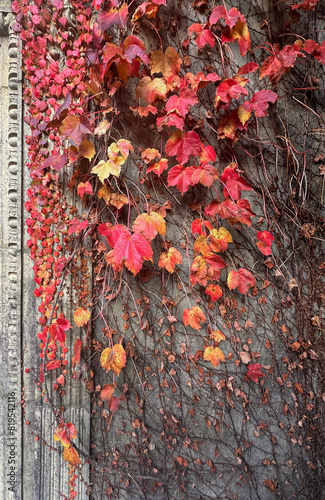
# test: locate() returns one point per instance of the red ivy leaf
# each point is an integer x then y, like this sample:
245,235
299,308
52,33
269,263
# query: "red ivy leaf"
276,65
181,103
214,291
55,161
306,5
265,240
180,177
259,104
74,128
106,19
254,372
183,146
203,36
132,251
242,280
234,184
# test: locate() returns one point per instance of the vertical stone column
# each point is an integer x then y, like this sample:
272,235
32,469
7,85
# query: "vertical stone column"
10,260
29,467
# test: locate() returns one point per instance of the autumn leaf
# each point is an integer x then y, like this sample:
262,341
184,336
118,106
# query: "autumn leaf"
74,128
181,103
113,359
315,49
264,243
206,268
172,119
234,184
55,161
71,456
305,5
76,352
118,200
168,260
228,209
219,238
281,61
81,316
144,110
230,89
158,167
230,17
117,156
199,80
85,150
150,90
150,154
239,32
102,128
214,291
217,335
106,19
214,355
203,36
65,432
198,226
250,67
236,28
241,279
183,146
194,317
205,175
106,168
107,392
259,104
207,155
132,250
149,225
254,372
230,126
84,187
181,177
168,64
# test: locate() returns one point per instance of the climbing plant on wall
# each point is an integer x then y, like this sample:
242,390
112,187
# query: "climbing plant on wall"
164,204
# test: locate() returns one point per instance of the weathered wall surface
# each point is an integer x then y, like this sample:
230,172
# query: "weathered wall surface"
183,431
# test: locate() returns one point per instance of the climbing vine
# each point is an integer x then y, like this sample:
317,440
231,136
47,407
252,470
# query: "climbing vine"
142,209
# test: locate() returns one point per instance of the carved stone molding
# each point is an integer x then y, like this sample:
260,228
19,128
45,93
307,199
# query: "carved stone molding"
10,259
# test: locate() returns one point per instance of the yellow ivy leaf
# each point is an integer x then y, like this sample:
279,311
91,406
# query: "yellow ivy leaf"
113,359
81,316
214,355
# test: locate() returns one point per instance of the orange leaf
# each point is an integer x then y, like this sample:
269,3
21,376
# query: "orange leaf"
168,64
214,355
158,167
242,280
81,316
168,260
76,352
217,335
194,317
219,239
107,392
71,456
214,291
113,359
150,90
149,225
